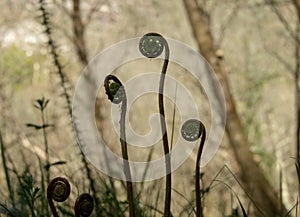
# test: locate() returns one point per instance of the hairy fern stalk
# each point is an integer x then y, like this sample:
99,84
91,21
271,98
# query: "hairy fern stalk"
64,82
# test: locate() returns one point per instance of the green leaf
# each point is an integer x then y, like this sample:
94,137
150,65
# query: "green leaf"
35,193
28,180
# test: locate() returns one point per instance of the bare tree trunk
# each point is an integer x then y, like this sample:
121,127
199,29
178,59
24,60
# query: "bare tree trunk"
79,30
297,81
255,182
297,85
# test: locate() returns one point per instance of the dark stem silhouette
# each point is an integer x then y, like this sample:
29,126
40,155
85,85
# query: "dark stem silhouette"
199,209
191,131
151,46
116,94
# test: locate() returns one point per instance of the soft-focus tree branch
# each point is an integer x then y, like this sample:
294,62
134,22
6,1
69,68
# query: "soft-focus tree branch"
284,22
93,9
80,24
225,24
280,59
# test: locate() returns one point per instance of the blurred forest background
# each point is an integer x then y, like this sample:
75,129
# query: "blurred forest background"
254,48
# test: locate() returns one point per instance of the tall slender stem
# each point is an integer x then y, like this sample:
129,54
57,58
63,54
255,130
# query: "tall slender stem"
53,209
191,131
199,210
167,209
116,96
151,46
46,146
125,159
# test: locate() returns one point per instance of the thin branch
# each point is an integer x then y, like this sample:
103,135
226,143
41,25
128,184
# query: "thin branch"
64,31
94,8
63,8
225,24
280,59
272,53
284,22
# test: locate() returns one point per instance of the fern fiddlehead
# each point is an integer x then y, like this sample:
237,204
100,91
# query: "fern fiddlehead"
58,190
151,46
191,131
84,205
116,94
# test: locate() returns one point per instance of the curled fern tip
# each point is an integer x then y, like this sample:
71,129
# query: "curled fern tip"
151,45
191,130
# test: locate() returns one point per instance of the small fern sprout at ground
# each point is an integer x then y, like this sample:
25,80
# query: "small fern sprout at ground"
59,190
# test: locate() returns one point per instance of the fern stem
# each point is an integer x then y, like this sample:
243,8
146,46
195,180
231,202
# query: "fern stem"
167,209
117,95
199,208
